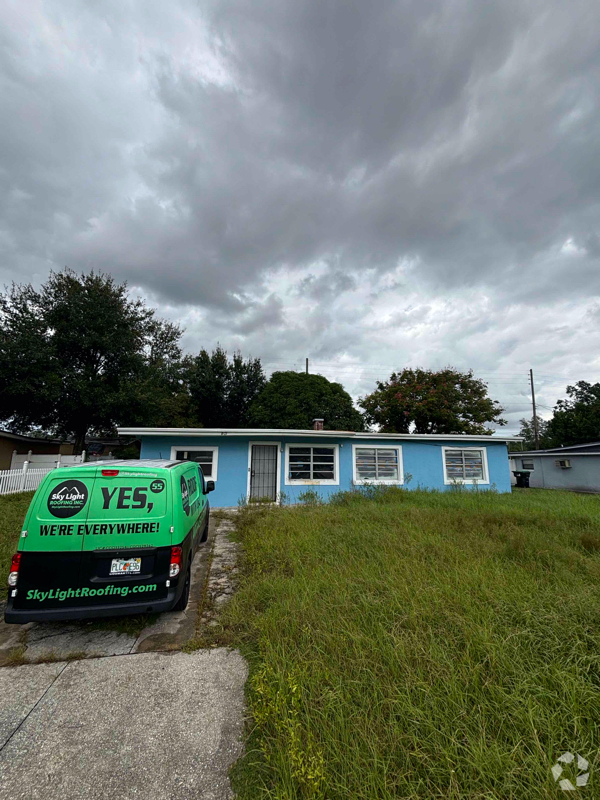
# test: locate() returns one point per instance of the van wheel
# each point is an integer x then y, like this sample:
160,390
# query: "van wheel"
205,531
181,604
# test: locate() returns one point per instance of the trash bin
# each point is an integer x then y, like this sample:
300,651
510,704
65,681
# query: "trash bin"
522,477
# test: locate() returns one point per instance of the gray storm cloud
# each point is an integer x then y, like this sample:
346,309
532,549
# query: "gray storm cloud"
371,184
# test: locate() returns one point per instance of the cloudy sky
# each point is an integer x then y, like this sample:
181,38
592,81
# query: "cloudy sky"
369,184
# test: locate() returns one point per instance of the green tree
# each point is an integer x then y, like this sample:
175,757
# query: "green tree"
163,385
79,356
294,400
577,419
446,401
222,390
528,433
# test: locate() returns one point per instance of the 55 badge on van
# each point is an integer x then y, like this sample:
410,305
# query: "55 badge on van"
109,539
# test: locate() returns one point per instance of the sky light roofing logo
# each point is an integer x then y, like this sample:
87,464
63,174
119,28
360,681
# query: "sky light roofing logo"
67,499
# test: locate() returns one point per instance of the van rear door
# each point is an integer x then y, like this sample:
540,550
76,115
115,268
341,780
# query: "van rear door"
129,528
52,548
60,511
128,509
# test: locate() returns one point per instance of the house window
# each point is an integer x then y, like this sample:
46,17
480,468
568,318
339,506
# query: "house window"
311,464
527,464
378,464
207,458
465,465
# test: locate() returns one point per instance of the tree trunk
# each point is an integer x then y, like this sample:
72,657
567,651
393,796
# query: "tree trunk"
79,445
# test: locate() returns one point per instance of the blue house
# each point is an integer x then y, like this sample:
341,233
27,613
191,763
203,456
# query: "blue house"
261,463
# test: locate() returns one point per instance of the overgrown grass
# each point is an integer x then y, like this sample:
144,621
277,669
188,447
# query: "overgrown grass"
419,645
13,508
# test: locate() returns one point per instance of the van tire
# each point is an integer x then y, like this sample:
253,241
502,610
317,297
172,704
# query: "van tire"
181,604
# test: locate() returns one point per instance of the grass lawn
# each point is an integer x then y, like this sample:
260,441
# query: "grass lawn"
13,508
419,645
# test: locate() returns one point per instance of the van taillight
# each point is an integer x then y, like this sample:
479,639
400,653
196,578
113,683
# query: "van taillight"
110,473
176,555
14,569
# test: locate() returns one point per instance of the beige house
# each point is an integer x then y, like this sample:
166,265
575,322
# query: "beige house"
22,445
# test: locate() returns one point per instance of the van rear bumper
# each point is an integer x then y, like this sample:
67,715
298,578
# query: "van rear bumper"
20,616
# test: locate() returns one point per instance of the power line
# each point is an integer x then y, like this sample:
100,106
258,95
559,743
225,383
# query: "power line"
353,368
371,368
390,366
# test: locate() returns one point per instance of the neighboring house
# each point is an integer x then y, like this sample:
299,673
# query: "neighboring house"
254,464
575,467
15,443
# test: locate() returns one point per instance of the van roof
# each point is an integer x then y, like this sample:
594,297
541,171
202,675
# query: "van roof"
145,463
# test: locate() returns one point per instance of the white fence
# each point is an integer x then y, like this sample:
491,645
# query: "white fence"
21,480
46,462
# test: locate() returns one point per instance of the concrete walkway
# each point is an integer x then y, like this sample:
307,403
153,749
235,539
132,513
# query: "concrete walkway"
153,725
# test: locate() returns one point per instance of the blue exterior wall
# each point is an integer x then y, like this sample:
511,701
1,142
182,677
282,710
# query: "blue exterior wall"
421,459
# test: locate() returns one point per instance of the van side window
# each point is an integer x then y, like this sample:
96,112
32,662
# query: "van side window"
202,480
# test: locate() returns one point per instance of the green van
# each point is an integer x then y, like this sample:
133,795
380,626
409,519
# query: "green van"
109,538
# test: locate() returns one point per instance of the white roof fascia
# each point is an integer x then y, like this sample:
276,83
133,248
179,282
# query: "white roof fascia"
557,456
290,432
566,449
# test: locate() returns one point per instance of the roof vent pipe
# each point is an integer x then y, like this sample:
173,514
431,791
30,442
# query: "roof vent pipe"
318,424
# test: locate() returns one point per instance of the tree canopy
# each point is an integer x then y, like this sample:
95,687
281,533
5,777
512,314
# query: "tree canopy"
446,401
222,390
80,356
295,399
528,433
577,418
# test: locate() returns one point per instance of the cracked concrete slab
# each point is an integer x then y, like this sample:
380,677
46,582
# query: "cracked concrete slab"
11,636
62,640
165,726
20,689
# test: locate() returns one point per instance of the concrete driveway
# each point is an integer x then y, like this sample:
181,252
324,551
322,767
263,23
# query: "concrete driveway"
125,721
153,725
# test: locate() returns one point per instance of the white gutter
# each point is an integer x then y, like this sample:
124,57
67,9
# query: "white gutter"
198,432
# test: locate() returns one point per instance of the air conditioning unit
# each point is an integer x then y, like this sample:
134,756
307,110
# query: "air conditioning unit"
564,463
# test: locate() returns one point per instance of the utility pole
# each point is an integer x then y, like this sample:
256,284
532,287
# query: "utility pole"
307,366
536,431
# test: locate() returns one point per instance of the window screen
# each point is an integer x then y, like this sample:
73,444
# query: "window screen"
311,463
202,457
528,465
376,464
464,465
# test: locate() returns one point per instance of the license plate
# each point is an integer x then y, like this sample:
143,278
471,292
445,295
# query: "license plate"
125,566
